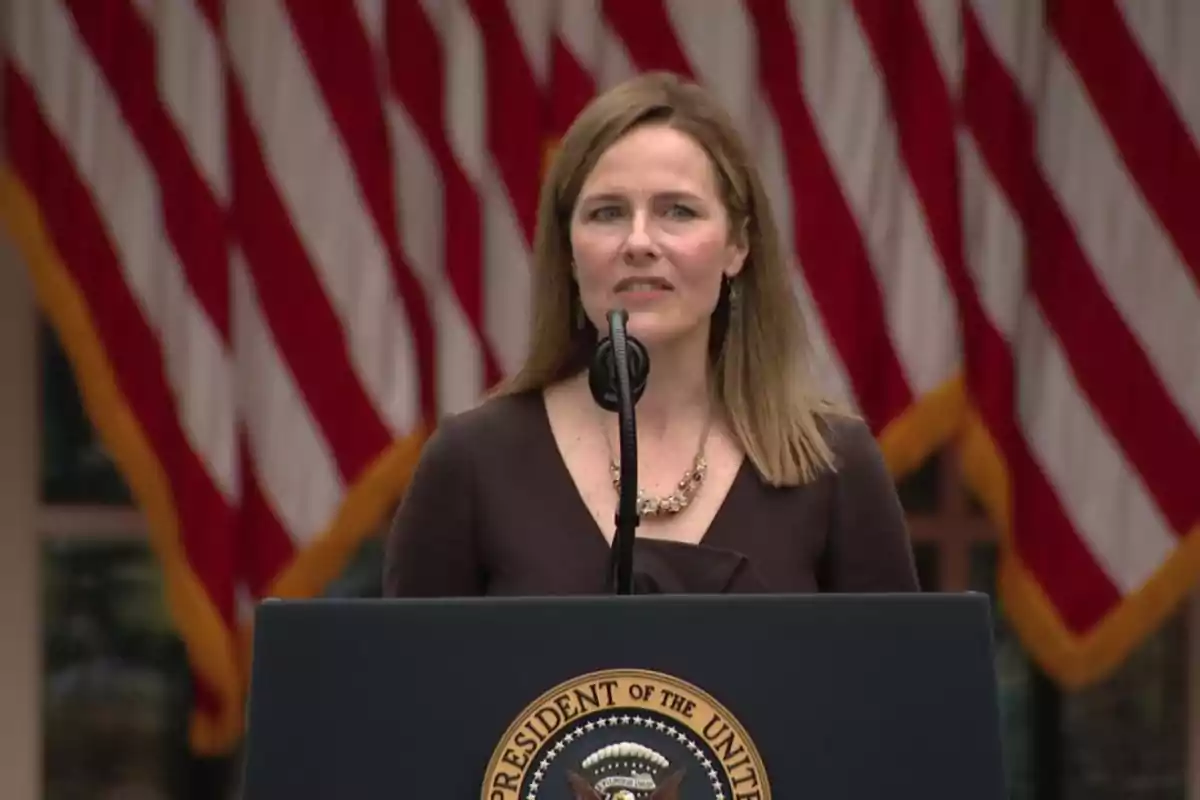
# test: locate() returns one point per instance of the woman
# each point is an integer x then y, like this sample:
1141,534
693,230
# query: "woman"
751,482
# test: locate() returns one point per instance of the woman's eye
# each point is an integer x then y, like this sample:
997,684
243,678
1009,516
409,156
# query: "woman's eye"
604,213
680,212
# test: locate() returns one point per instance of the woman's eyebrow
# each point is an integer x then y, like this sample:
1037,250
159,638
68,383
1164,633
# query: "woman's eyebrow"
610,196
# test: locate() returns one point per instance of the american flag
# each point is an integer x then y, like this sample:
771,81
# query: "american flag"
281,238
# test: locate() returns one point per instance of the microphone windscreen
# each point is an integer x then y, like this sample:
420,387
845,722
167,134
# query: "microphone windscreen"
602,374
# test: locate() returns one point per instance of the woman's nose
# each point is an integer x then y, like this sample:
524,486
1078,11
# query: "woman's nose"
639,244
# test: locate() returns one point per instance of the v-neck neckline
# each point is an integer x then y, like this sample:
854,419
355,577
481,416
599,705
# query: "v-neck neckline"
570,488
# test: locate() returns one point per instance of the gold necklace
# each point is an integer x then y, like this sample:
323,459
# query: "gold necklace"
649,506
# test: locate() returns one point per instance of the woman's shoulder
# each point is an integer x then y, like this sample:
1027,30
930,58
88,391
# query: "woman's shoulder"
850,454
859,469
870,548
849,437
497,422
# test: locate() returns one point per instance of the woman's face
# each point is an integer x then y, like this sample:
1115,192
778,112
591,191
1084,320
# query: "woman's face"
651,235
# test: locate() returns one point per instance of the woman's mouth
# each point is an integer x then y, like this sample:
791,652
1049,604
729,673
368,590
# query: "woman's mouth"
642,286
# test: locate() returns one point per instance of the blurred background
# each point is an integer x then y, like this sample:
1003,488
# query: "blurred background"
253,250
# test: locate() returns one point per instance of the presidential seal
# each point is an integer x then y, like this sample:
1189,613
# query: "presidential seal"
625,734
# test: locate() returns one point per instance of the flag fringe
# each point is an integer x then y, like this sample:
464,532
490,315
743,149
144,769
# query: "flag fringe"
208,640
367,502
220,661
923,428
1074,661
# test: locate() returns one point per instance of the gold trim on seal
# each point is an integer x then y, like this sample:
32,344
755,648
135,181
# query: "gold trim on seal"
623,693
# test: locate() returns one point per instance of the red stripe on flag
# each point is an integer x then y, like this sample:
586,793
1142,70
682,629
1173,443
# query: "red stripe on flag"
648,34
1042,536
515,112
79,235
418,77
829,243
266,549
342,60
1154,142
1045,541
924,114
920,104
213,11
297,310
571,87
124,49
1104,356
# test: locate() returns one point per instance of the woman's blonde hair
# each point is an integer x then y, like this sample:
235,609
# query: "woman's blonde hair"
759,345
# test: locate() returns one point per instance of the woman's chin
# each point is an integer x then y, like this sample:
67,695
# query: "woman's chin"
654,332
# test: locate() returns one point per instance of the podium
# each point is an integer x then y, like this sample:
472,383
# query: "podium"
747,697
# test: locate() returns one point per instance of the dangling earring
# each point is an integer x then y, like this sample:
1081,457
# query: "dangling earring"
732,292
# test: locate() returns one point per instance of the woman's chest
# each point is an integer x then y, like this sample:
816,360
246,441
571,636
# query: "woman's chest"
538,540
680,495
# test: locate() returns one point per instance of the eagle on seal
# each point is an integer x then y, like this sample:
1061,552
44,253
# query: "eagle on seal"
667,790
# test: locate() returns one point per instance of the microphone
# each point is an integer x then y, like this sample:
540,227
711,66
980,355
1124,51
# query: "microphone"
617,378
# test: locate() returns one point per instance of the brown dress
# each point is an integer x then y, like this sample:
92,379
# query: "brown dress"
492,510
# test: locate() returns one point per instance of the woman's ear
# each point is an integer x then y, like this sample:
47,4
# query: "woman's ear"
740,247
737,262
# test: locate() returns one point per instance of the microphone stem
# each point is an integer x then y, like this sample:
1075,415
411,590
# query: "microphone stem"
627,512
